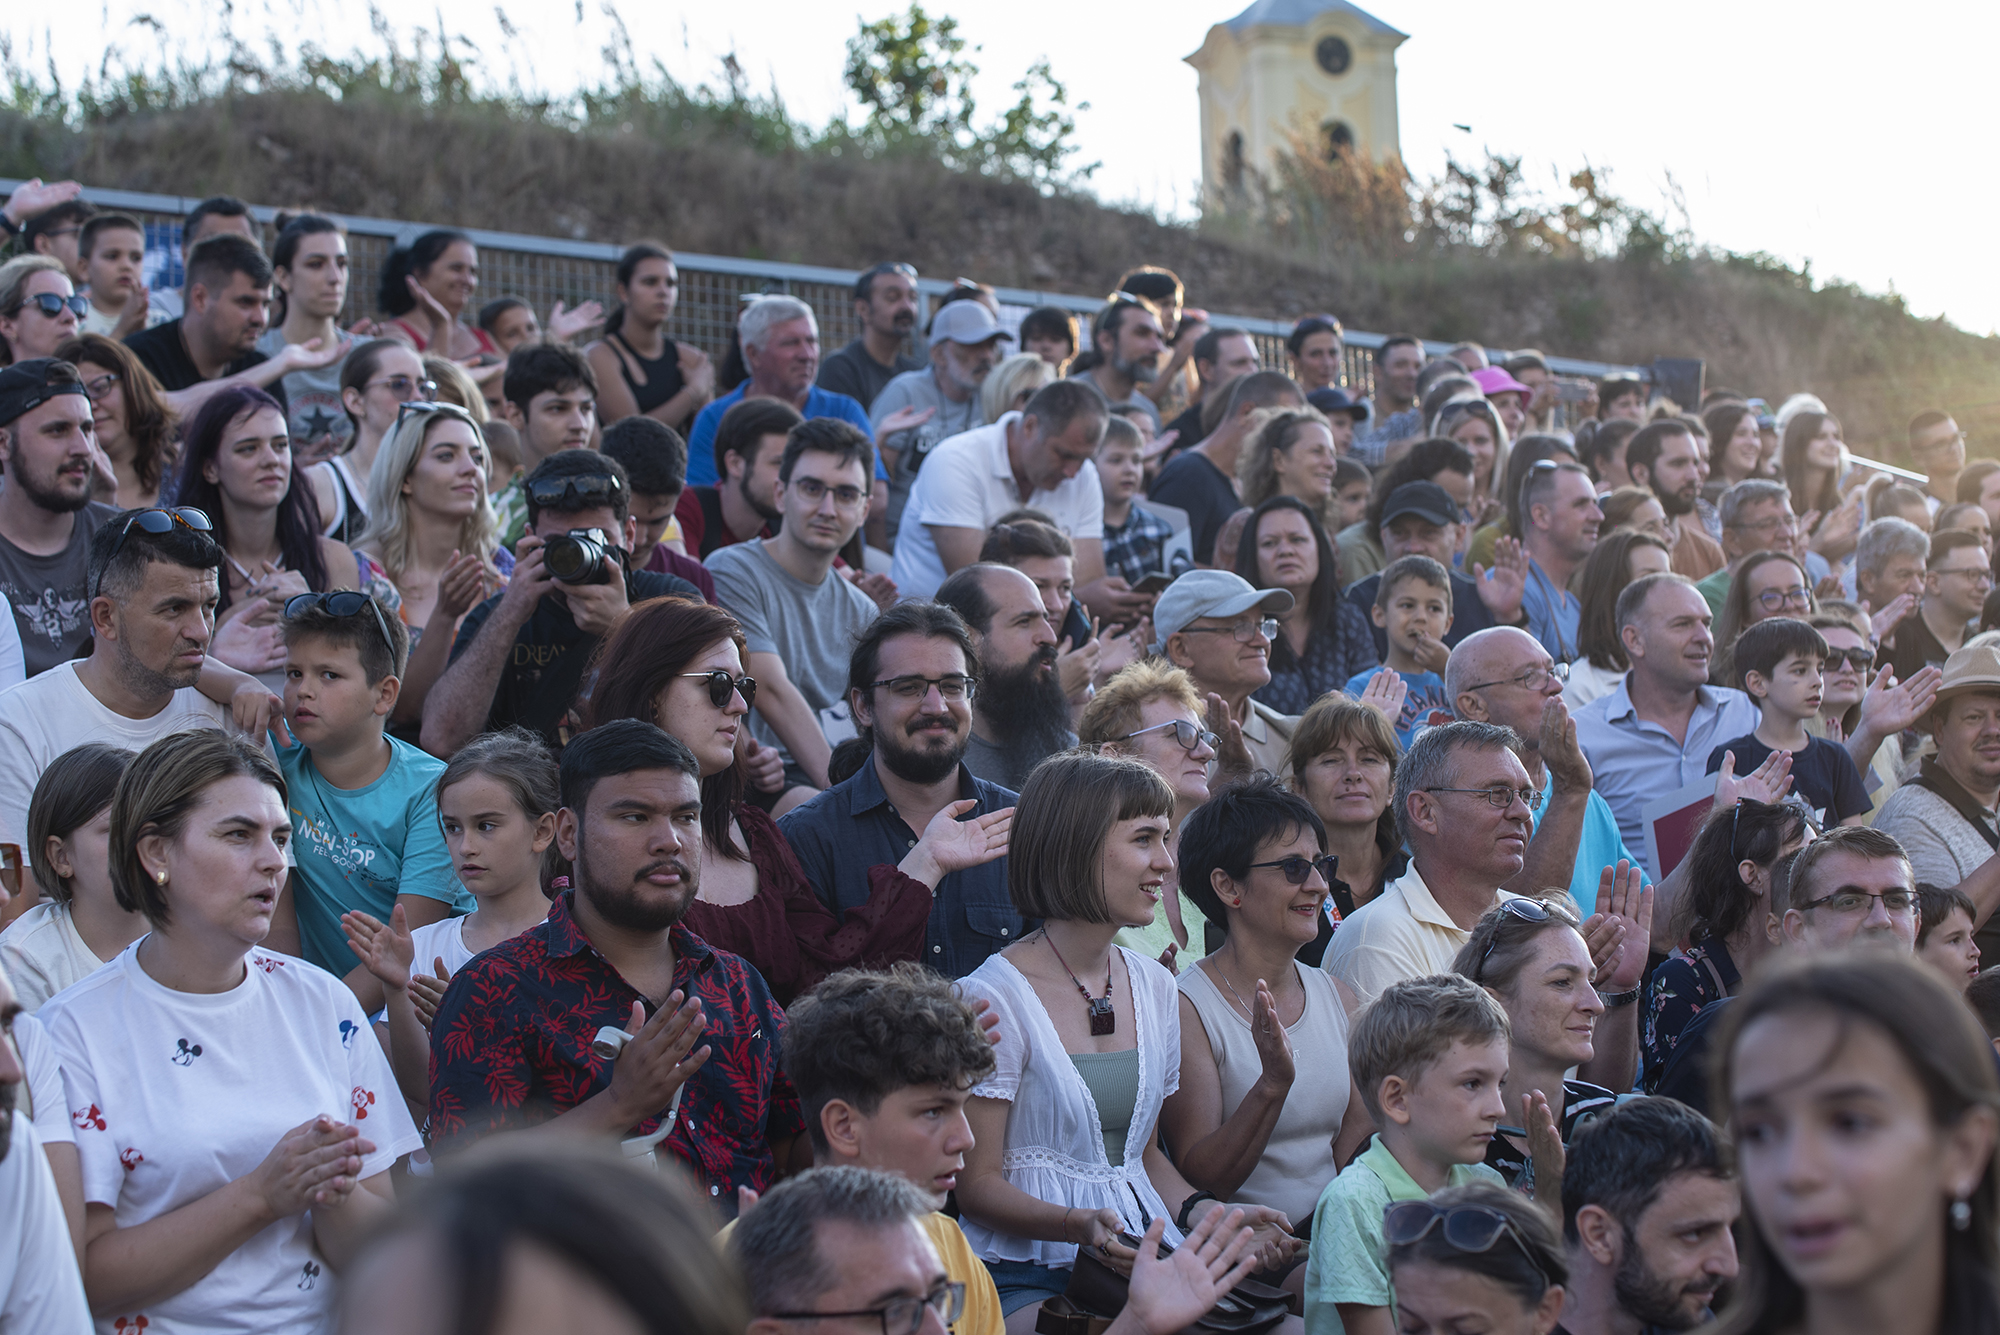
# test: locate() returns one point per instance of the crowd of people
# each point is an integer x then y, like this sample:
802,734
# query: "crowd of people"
1055,826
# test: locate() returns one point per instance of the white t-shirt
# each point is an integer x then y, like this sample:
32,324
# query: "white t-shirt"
45,1098
445,937
968,482
174,1095
13,663
40,1288
41,954
50,713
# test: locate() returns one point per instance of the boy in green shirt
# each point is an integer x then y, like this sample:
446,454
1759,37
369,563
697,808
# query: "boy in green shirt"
1428,1056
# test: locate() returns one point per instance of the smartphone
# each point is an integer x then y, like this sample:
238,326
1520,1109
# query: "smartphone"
1154,583
1573,391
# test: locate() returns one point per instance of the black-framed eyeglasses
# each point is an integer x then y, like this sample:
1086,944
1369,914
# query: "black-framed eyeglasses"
1860,659
1522,910
568,495
950,687
1467,1228
423,407
100,385
1534,679
812,489
1771,600
1297,869
1499,796
51,305
1850,901
721,686
900,1316
403,386
1244,631
1980,574
340,603
1189,735
159,521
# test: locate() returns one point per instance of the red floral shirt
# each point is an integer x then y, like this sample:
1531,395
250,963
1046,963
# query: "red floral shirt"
510,1049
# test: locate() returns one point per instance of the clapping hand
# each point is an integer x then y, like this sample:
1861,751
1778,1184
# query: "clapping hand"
1568,769
1545,1149
1623,898
950,844
902,420
465,583
1889,707
386,949
565,324
1232,754
1503,587
1171,1293
1769,782
427,990
1387,691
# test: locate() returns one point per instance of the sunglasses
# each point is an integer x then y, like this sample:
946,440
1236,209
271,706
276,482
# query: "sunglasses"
721,686
344,603
159,521
51,305
1859,659
423,407
1522,910
567,495
1467,1228
1298,869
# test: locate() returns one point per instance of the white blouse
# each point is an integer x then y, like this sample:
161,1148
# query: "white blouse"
1054,1147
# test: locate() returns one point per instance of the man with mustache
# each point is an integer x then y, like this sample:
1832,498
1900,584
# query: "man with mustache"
1020,716
886,303
1648,1203
516,1043
1665,458
40,1286
942,398
910,685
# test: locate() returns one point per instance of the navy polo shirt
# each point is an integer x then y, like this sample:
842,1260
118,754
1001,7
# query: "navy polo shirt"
851,827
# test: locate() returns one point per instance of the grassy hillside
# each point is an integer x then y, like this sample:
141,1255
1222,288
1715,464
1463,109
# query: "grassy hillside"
733,178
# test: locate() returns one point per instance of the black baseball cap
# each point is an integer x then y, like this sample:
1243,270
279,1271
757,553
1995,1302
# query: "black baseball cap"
1331,399
28,385
1427,500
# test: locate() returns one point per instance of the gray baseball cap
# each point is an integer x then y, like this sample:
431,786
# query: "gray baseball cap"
1210,593
966,322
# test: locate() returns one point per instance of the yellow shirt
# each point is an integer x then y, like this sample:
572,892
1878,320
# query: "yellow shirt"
982,1315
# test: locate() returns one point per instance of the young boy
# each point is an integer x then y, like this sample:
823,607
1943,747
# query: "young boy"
1413,604
1944,934
1428,1057
884,1064
655,459
363,805
112,249
1778,664
552,402
1135,539
1351,481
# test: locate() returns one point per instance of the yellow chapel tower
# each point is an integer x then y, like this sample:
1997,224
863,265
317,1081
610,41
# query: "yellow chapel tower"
1322,66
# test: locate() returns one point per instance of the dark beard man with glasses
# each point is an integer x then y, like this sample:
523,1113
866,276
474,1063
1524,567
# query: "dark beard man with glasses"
914,809
1021,717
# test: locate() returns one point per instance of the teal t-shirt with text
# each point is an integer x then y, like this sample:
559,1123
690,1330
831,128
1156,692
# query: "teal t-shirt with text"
358,848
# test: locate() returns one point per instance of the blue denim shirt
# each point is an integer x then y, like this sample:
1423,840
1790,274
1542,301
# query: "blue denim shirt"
851,827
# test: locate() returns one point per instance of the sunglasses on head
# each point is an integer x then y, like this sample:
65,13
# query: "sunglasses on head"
343,603
409,408
1467,1228
159,521
567,495
721,686
1522,910
51,305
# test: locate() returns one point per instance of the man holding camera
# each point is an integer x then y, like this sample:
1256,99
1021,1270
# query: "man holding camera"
522,653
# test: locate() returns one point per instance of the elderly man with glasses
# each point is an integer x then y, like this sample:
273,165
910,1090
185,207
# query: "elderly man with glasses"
1216,627
1756,517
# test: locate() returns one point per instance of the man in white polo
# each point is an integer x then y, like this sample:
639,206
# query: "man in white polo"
1460,806
1038,457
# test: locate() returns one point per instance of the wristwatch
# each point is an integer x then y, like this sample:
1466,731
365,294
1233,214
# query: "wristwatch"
1613,1000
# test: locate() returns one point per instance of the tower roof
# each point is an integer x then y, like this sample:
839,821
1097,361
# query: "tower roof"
1298,13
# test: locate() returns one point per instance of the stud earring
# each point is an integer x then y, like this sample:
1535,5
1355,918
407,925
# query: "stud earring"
1961,1214
161,877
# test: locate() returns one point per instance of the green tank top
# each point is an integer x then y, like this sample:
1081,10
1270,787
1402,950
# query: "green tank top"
1113,1081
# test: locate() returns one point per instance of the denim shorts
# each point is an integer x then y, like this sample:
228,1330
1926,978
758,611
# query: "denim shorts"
1022,1283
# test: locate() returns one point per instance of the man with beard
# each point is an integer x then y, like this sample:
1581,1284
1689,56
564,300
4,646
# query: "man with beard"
944,396
46,514
1021,716
798,616
1560,515
1665,458
154,582
910,685
739,507
886,304
1648,1203
519,1041
1130,351
40,1286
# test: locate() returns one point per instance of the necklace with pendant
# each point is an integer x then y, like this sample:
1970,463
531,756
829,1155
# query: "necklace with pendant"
1103,1020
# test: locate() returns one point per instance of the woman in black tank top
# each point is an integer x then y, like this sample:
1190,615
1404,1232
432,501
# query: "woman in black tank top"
670,385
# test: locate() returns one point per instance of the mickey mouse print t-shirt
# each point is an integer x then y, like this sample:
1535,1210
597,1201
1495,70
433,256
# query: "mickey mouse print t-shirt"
173,1095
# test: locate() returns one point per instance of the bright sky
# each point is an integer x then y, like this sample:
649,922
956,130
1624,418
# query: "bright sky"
1819,132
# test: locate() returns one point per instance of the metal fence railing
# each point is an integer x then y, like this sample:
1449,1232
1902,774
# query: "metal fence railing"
543,270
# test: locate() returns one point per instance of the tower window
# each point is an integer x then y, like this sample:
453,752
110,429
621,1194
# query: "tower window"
1333,55
1339,137
1232,160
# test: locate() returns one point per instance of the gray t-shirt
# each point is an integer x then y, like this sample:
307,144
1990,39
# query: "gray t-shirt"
314,396
50,595
989,762
811,628
917,389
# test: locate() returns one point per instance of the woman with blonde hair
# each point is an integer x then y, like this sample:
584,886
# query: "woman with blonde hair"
1008,386
455,386
432,529
1473,423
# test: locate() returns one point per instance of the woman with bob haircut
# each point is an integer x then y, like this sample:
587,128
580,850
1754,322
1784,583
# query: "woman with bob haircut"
432,530
1723,924
135,427
1476,1257
512,1231
679,664
1861,1096
1264,1076
1343,763
1314,348
236,1117
1065,1154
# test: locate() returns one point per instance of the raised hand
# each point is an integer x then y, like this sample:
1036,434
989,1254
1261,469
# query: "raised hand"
1503,587
431,311
32,197
902,420
1545,1149
1387,691
1769,782
1274,1045
1623,897
1232,754
1889,617
1171,1293
565,324
311,354
463,585
1889,707
386,949
950,844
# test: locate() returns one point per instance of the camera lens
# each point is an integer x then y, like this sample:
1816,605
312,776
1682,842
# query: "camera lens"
574,558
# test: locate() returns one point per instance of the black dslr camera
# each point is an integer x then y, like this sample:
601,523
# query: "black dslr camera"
579,556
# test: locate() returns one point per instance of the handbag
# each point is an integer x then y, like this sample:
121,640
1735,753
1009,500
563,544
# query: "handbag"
1096,1294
